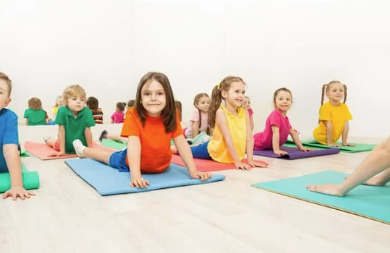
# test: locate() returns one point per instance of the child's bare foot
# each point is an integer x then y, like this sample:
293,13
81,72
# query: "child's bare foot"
374,181
329,189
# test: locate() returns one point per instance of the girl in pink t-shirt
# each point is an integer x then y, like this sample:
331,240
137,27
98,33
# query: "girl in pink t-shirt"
199,119
277,126
118,116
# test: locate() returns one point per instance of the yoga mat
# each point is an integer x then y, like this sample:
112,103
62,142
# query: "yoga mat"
295,153
113,144
359,147
24,153
109,181
208,165
43,152
367,201
30,180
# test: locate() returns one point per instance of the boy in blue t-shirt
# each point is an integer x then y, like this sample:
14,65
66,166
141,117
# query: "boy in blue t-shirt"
9,155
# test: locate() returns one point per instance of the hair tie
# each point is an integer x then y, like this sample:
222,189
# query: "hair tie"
218,85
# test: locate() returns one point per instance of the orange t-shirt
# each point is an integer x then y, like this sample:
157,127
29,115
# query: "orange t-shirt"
156,152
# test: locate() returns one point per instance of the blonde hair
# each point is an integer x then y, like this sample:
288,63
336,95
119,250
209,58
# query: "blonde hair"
325,88
73,91
7,81
57,104
34,103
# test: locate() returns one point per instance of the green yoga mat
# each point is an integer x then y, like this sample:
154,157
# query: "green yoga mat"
30,180
24,153
113,144
367,201
359,147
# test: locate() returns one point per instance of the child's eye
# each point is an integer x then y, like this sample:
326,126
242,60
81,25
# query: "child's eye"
161,93
146,94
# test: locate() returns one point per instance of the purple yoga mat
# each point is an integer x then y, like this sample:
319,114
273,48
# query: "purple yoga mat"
295,153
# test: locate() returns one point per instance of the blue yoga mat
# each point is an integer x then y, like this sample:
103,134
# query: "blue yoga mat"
368,201
109,181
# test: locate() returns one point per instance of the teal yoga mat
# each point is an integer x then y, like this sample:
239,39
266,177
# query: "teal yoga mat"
367,201
30,180
359,147
113,144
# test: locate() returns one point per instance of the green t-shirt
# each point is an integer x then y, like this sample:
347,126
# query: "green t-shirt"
35,117
74,127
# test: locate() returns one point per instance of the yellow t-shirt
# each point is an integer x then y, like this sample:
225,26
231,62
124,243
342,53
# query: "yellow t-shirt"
337,115
237,127
54,109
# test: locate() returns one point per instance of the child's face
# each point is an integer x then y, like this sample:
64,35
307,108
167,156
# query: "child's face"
59,100
203,104
76,104
236,94
247,103
283,101
153,98
335,92
4,91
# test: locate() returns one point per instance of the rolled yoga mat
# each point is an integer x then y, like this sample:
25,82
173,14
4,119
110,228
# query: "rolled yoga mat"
367,201
295,153
30,180
109,181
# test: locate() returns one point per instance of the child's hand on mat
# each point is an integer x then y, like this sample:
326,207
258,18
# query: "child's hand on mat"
257,164
17,191
305,149
203,176
58,154
243,166
280,152
349,144
139,182
334,145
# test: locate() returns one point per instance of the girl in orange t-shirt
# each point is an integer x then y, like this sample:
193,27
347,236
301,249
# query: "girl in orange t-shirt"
149,126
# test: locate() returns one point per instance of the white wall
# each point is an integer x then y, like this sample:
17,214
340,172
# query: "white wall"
106,46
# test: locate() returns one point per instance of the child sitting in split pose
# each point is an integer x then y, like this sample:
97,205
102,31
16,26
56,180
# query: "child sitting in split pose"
149,126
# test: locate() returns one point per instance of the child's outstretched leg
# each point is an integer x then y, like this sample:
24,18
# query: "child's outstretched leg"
93,153
376,161
379,180
49,141
117,138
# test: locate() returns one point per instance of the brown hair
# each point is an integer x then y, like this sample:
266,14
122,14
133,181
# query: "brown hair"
168,114
73,91
178,107
121,106
216,96
131,103
34,103
8,82
196,101
93,103
325,88
279,90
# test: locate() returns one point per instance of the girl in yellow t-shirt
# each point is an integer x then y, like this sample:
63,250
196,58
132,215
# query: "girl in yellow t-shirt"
334,116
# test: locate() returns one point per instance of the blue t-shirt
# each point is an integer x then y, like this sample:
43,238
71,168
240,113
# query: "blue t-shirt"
8,133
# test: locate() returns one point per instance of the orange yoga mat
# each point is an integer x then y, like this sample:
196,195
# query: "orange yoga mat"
209,165
44,152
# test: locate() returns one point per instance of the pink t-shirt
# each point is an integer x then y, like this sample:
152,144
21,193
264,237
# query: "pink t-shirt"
118,117
263,140
195,118
250,111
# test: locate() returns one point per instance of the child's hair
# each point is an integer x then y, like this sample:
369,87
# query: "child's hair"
216,96
121,106
34,103
325,87
8,82
178,107
131,103
57,104
168,114
73,91
279,90
93,103
196,101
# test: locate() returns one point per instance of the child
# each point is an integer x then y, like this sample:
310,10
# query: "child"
9,155
149,127
247,106
334,116
74,121
34,115
130,103
118,116
54,110
377,161
232,135
93,105
199,119
277,126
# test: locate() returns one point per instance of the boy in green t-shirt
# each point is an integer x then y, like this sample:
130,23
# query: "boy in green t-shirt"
35,115
74,121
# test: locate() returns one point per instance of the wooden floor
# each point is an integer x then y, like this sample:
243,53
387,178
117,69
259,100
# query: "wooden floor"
68,215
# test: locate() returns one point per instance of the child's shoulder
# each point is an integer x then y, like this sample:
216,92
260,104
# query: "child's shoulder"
8,113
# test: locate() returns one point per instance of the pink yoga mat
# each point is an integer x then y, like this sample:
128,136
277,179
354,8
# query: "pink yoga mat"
44,152
208,165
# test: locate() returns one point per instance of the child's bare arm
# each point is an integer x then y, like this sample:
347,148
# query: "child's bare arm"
345,135
275,141
195,128
61,138
88,137
134,158
14,164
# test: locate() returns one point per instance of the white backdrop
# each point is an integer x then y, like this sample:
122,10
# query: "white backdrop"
106,46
